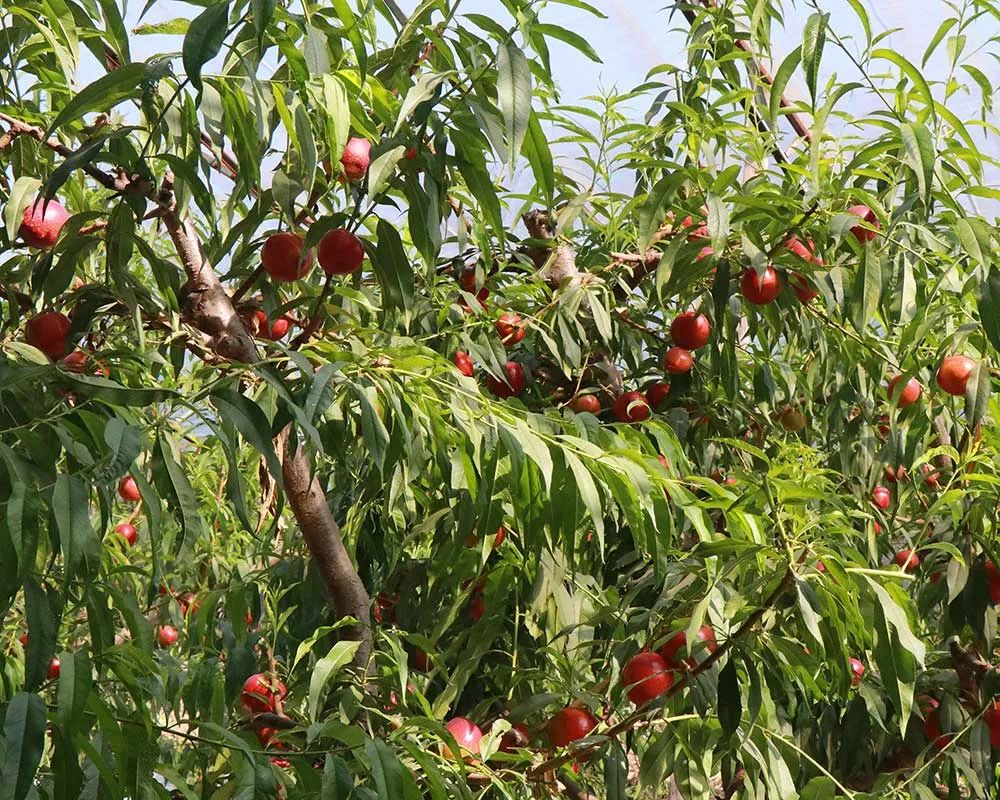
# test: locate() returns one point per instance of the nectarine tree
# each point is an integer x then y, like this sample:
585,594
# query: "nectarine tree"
713,362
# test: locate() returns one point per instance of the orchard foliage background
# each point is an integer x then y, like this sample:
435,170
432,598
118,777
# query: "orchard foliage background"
767,495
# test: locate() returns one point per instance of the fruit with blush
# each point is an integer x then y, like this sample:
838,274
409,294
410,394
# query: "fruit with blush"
869,227
42,222
510,329
340,252
513,383
857,671
166,635
690,330
671,649
516,738
677,361
907,560
467,736
463,362
803,289
283,259
908,394
127,532
261,694
48,332
589,403
881,497
657,393
760,289
356,158
632,407
953,374
570,725
645,677
128,490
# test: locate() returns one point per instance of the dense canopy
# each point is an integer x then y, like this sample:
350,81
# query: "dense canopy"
377,422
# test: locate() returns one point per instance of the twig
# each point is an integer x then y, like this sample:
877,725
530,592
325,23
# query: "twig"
316,318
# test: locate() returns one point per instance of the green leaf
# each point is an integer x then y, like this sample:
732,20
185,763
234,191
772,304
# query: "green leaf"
24,739
170,27
337,111
184,496
71,509
22,195
919,147
813,39
102,95
536,150
340,655
392,268
114,393
974,235
261,11
977,394
911,72
942,30
422,90
730,702
251,422
514,94
658,760
382,169
989,306
867,290
119,242
652,212
392,781
75,684
616,773
569,37
204,40
352,26
42,629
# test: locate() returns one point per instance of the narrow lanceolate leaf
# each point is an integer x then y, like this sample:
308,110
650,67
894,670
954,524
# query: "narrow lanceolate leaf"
422,90
338,114
867,290
989,306
252,424
536,150
813,39
326,668
102,95
71,509
571,38
261,11
43,625
911,72
185,500
76,681
24,739
203,41
781,79
514,93
919,147
393,268
22,195
977,394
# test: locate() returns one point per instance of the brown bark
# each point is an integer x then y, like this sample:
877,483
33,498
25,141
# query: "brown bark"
344,586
